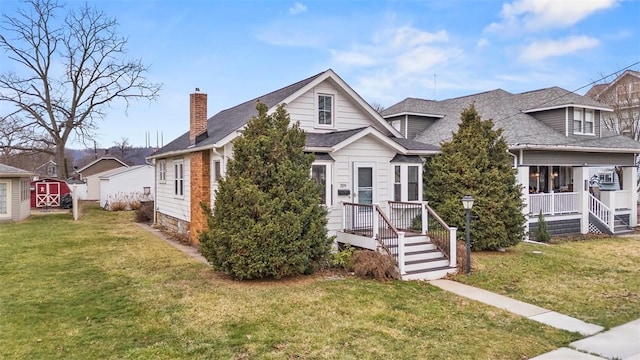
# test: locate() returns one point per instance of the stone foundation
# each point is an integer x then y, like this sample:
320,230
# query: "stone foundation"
173,224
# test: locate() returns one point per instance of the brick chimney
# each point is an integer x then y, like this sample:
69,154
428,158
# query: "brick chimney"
198,115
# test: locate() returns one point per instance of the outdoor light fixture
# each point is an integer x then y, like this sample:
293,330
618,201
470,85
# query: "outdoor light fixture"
467,204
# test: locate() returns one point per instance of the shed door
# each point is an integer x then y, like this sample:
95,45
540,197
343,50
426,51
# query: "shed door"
47,194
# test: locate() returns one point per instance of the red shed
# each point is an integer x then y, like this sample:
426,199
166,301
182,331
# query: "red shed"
47,192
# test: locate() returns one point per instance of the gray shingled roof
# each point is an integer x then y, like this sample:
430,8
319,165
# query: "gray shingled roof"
508,112
227,121
10,171
330,139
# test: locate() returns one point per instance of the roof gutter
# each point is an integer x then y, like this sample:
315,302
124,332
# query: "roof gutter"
573,148
182,152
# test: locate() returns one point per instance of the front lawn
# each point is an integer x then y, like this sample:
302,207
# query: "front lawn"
103,288
597,280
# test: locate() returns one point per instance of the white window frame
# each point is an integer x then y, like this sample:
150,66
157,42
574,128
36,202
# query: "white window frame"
178,179
333,110
404,181
25,190
162,171
216,171
328,188
8,200
580,117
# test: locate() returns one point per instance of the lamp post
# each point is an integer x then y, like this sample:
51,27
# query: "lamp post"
467,204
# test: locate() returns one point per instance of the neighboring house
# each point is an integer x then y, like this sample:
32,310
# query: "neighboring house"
361,161
47,170
90,174
14,193
100,165
126,183
623,95
555,137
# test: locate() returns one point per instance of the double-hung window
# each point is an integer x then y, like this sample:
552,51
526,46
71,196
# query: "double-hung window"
178,180
583,121
325,110
5,199
162,171
217,168
321,174
407,182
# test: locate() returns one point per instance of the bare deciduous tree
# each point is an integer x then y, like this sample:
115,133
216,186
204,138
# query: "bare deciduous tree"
123,148
623,95
68,72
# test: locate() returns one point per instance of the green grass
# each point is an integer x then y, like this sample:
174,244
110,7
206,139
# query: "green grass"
597,281
105,288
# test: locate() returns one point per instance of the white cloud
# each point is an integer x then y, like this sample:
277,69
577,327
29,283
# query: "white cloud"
536,15
402,57
544,49
297,8
482,43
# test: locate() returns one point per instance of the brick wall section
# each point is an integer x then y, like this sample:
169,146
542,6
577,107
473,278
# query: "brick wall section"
200,180
198,115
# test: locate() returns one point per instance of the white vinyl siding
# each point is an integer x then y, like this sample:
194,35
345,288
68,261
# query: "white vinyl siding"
167,202
365,150
346,114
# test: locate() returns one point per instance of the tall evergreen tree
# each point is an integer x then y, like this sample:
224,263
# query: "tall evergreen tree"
267,220
476,162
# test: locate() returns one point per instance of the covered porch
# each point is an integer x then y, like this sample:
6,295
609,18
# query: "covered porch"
569,204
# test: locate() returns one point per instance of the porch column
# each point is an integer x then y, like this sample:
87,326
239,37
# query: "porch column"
522,178
630,181
581,186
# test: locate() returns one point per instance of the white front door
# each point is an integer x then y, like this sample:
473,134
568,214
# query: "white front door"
363,183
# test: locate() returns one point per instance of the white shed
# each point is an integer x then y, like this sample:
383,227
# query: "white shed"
129,182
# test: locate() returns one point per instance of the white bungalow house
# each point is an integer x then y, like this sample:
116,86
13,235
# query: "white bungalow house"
370,173
555,137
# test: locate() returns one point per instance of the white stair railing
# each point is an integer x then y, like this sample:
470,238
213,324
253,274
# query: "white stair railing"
602,212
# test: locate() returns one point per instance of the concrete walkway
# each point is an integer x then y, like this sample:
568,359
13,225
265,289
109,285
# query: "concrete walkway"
189,250
621,342
532,312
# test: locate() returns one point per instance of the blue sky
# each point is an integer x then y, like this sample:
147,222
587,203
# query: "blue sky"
386,50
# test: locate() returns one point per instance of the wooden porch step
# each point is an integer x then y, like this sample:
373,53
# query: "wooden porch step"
426,264
430,274
422,255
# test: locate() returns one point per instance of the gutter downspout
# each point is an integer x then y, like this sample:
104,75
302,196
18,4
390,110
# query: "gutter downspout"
515,158
155,193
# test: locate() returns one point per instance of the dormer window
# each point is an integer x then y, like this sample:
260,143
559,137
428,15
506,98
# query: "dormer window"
583,121
325,110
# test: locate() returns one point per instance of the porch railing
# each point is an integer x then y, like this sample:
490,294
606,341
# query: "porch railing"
442,235
406,216
554,203
602,212
369,220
